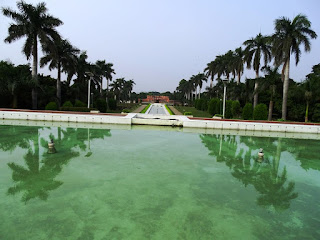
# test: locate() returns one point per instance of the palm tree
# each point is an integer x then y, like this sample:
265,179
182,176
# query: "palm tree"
198,80
61,55
211,70
127,89
255,48
34,23
271,80
117,87
288,37
238,61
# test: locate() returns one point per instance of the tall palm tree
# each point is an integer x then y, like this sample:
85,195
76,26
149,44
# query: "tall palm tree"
255,48
238,61
288,37
198,80
211,71
117,87
61,55
271,80
127,88
32,22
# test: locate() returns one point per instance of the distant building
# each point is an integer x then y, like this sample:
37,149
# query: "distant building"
158,99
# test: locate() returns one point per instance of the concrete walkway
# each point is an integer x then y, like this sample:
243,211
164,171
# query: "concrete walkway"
175,111
139,109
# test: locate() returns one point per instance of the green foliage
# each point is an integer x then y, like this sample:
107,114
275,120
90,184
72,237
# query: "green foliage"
67,104
316,113
188,113
260,112
146,108
213,106
112,104
52,106
247,111
125,110
78,103
169,110
77,109
236,109
228,113
204,105
218,115
101,105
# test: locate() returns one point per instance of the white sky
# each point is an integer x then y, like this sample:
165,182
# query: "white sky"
159,42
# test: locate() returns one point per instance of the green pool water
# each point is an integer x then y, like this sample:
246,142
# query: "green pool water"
150,184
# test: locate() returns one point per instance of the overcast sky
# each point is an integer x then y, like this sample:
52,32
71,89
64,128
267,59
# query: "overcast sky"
159,42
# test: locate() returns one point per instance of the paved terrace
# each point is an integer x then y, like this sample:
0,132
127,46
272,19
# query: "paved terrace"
160,120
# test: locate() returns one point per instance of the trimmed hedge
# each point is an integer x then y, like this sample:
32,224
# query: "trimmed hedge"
67,104
188,113
316,113
112,104
235,109
228,113
77,109
101,105
52,106
78,103
247,112
213,106
260,112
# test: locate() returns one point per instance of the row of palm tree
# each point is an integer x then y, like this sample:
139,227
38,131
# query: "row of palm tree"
34,23
286,40
188,87
122,89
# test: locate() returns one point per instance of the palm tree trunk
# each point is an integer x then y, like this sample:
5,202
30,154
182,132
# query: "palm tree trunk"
307,112
255,97
270,110
239,76
101,87
15,101
59,85
285,89
35,74
199,91
211,83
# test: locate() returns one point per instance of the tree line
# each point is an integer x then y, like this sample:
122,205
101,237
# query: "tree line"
34,23
288,38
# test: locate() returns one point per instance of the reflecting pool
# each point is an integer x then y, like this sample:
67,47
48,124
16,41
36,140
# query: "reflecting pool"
151,184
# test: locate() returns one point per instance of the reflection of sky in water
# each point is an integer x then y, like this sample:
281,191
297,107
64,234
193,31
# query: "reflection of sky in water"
148,184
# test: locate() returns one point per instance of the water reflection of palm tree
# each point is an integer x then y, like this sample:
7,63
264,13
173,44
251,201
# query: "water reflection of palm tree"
37,179
244,167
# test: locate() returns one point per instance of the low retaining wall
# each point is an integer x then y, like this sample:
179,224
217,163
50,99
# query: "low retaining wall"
159,120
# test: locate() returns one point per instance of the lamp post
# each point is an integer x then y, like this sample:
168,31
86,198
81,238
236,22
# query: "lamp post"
90,74
225,81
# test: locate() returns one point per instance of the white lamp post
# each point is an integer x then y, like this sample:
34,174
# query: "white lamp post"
90,74
225,81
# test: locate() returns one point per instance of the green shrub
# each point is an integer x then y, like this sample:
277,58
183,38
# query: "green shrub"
77,109
235,109
228,113
218,115
213,106
125,110
112,104
188,113
247,111
316,113
52,106
204,105
67,104
197,104
78,103
101,105
260,112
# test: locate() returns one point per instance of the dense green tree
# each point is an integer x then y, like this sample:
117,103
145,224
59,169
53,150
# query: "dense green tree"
34,23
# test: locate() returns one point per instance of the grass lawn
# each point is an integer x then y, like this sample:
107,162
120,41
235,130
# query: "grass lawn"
195,112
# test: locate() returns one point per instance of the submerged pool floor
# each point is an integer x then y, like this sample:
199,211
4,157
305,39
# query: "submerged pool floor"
148,184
